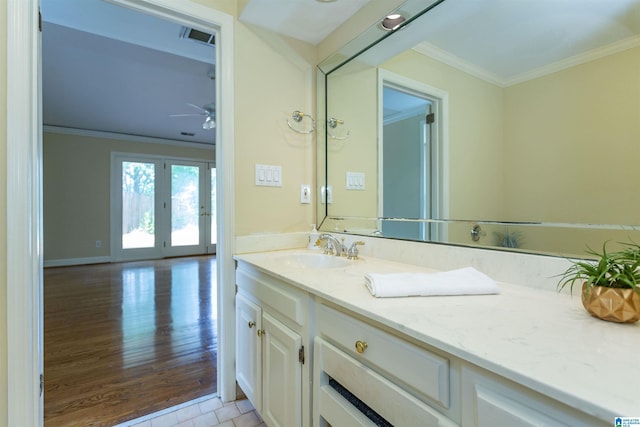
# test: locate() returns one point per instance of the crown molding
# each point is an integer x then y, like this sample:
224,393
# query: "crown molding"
454,61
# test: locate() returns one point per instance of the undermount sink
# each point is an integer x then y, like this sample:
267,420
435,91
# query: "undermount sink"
313,260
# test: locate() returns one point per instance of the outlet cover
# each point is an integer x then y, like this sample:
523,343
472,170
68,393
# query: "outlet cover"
305,193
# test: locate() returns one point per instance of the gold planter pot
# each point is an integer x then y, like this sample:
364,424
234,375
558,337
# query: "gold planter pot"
612,304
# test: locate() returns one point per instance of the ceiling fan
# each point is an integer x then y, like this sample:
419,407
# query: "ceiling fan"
207,111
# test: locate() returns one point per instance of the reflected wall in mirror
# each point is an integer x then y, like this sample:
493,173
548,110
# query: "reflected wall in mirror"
536,121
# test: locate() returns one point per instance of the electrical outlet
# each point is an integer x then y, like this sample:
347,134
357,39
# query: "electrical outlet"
98,243
305,193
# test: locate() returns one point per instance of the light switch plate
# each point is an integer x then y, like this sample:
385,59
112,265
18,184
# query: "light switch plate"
268,175
355,181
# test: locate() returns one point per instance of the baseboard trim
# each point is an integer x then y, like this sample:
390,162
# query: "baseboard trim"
76,261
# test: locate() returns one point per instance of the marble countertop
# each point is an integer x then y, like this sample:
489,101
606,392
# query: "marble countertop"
543,340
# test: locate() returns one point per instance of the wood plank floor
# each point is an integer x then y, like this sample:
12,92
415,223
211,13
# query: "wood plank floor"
127,339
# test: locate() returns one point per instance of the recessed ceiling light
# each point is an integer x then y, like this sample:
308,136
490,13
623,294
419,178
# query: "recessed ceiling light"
392,22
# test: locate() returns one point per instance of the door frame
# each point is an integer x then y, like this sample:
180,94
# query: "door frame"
24,197
440,141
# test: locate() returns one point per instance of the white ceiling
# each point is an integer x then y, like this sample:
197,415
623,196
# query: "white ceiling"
509,39
111,69
307,20
106,68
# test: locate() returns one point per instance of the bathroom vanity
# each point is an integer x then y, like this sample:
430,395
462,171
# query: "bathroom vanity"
310,338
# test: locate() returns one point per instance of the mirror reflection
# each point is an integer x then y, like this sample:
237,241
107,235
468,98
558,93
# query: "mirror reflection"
520,117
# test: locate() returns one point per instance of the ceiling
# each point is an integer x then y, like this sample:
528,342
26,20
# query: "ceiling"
107,68
307,20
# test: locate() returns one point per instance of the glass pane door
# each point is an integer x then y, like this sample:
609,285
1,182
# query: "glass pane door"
136,210
138,205
188,207
185,205
162,207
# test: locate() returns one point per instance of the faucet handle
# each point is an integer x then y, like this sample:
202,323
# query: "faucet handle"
327,248
343,247
352,253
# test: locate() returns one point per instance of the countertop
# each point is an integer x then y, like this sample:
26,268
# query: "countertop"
541,339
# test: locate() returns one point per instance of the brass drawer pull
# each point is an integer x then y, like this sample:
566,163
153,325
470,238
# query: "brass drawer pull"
251,324
261,332
361,346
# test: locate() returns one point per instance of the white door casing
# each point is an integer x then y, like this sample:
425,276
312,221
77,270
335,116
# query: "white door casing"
24,197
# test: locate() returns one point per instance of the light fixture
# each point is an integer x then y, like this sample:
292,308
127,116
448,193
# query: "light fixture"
392,22
209,123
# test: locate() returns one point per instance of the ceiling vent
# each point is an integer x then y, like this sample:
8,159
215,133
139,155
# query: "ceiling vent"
198,36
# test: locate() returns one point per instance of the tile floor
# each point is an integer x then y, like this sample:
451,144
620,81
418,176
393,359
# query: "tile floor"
204,412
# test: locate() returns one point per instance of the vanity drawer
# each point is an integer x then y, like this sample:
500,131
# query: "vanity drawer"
425,373
360,385
285,300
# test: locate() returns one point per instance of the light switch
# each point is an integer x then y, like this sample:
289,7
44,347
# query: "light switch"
355,181
268,175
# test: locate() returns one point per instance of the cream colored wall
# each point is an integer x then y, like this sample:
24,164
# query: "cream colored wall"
572,149
3,218
76,175
272,79
353,101
579,127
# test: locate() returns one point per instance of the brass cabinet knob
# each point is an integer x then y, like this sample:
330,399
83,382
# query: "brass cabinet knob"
261,332
361,346
251,324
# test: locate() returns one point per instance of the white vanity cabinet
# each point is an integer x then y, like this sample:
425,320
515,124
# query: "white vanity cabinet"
489,400
401,360
271,329
359,368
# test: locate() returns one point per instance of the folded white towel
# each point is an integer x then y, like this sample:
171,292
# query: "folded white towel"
464,281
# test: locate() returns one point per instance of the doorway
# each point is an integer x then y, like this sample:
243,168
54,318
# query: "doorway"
163,203
407,162
412,157
24,221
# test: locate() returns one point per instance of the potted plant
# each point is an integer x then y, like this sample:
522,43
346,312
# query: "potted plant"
610,283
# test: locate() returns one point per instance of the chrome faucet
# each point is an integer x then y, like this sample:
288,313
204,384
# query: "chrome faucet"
333,245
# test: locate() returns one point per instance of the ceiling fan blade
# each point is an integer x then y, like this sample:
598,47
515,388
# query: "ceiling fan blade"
197,106
187,115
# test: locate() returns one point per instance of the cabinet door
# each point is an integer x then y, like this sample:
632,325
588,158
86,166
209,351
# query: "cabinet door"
248,350
489,401
282,374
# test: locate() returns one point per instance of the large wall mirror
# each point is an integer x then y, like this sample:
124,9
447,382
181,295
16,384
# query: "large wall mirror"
495,123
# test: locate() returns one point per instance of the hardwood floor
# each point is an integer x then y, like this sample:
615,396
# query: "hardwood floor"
128,339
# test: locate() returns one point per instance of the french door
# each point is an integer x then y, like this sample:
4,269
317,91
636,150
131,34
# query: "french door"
162,207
